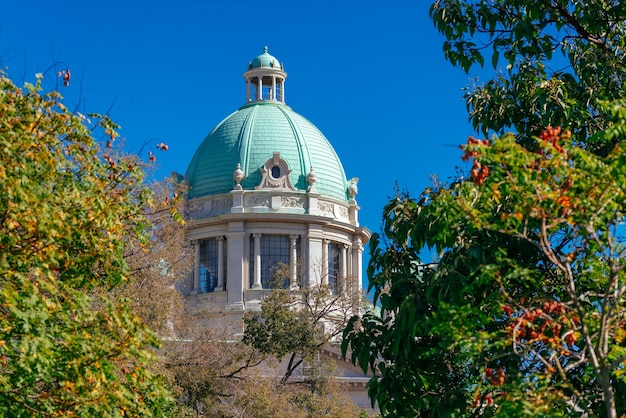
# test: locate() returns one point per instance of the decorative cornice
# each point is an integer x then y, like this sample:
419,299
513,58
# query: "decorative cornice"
270,201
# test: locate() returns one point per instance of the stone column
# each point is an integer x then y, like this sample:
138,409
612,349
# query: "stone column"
325,243
293,262
257,262
234,279
357,268
342,285
350,273
220,264
260,88
196,268
247,90
273,94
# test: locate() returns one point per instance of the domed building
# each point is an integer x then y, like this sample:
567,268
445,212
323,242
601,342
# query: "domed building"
269,199
267,189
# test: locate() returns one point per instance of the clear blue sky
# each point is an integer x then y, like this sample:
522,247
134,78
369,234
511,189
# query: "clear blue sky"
369,74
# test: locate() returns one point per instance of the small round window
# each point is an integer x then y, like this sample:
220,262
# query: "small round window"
276,172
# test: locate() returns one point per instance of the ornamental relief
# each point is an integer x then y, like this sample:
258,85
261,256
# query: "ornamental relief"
269,183
343,212
292,202
251,201
195,208
326,207
275,174
218,206
222,204
204,208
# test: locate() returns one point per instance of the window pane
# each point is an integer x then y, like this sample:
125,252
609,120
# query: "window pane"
274,250
333,266
208,265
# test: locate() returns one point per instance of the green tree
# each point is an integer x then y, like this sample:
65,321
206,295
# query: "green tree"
524,311
508,321
281,330
67,211
157,261
296,322
289,330
554,60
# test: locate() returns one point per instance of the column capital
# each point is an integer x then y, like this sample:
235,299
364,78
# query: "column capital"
220,238
256,236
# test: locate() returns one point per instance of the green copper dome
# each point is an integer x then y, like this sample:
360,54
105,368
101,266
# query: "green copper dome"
265,60
250,137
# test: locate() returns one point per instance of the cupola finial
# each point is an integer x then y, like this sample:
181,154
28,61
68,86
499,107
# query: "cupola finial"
265,79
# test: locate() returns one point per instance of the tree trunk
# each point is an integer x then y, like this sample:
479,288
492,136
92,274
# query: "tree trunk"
608,394
290,368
